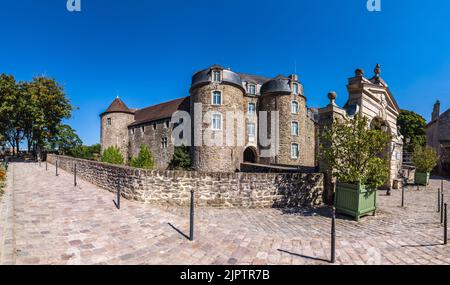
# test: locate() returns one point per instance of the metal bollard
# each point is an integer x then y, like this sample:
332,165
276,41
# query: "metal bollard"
191,232
119,192
442,207
333,235
439,200
75,175
403,196
46,166
57,168
445,223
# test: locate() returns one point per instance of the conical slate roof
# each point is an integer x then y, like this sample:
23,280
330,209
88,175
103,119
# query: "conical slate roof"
118,106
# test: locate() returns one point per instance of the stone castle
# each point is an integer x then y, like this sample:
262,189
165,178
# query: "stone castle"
438,137
222,90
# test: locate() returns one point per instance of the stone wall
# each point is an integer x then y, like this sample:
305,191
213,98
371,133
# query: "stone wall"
247,190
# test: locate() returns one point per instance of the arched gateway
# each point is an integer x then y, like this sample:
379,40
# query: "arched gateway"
250,155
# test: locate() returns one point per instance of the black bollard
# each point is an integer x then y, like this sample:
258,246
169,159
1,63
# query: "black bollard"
57,168
439,200
442,207
191,232
445,223
118,195
403,196
333,235
75,175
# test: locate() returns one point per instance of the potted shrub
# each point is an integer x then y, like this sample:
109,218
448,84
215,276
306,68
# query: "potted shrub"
353,154
425,160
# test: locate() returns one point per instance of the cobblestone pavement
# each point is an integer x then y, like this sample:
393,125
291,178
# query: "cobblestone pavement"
45,220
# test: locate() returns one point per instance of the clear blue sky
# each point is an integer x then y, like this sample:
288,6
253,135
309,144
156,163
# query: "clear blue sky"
146,51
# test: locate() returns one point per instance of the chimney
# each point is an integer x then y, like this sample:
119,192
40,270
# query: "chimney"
436,111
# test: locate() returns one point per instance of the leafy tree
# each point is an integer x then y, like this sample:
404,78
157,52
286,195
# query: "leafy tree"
49,106
412,128
424,159
181,159
354,153
12,111
144,159
112,155
85,152
64,140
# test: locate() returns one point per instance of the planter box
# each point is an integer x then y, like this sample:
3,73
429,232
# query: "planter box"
355,200
421,178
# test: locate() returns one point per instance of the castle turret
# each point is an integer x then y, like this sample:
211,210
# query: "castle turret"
215,94
285,96
436,111
114,126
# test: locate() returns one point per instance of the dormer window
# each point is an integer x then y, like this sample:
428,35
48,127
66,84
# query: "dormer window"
295,88
217,98
252,89
217,76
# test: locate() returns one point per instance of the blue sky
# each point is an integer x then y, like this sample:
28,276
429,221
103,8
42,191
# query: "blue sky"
146,51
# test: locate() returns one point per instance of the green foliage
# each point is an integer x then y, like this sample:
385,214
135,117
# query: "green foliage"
65,140
112,155
412,128
85,152
181,159
354,153
424,159
31,110
144,159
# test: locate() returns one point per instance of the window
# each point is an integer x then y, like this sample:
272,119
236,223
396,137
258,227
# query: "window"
251,108
164,143
216,122
295,88
143,129
167,124
294,128
154,126
294,107
217,76
109,121
132,131
252,89
251,130
294,151
217,98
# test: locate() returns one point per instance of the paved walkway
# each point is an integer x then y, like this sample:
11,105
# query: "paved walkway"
45,220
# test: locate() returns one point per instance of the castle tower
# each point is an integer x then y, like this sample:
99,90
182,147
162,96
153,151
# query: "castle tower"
220,93
285,95
114,126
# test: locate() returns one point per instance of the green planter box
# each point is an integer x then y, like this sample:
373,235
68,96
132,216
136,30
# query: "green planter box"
355,200
421,178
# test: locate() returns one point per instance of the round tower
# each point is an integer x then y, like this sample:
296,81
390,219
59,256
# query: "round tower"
285,96
114,127
216,141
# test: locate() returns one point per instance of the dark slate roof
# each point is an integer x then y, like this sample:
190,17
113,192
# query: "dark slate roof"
280,84
161,111
118,106
253,78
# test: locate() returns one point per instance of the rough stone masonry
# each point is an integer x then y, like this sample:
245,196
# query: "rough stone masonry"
225,190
